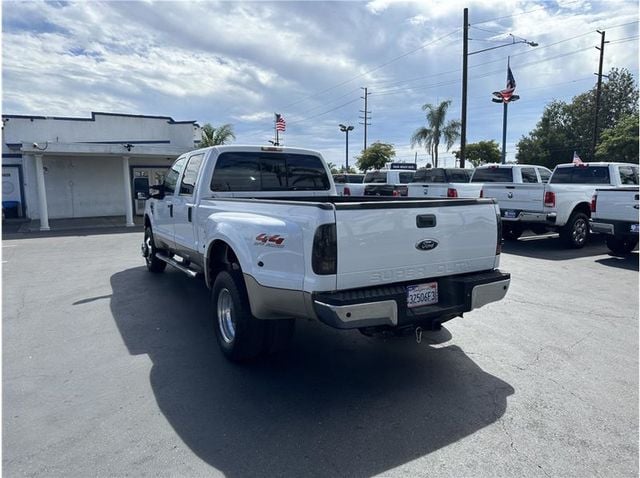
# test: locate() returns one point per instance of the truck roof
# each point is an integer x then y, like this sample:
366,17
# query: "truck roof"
595,163
260,148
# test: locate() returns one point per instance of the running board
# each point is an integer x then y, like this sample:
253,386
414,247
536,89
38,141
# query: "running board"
191,273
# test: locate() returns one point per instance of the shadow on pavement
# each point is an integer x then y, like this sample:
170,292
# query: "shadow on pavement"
551,247
337,403
629,262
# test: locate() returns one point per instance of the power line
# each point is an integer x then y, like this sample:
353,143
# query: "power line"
325,112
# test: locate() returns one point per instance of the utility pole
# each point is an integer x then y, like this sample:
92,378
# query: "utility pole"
465,55
598,88
366,118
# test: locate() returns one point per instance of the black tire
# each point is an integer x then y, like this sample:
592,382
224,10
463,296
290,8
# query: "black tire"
241,336
539,229
511,232
621,246
575,232
154,264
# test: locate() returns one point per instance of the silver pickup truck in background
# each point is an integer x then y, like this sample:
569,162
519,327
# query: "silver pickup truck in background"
443,183
614,212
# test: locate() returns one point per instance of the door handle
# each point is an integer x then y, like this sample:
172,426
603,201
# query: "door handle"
170,206
189,209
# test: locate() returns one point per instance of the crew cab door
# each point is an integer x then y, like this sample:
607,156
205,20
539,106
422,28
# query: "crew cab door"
163,208
184,206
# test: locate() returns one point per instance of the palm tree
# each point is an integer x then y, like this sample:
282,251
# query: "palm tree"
436,130
215,136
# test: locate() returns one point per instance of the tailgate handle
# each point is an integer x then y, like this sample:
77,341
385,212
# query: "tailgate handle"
426,220
637,197
511,187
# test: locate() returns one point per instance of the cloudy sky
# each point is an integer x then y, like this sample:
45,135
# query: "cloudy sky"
239,62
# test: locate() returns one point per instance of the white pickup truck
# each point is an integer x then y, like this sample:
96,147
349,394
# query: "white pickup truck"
564,203
614,212
349,184
391,181
443,183
274,243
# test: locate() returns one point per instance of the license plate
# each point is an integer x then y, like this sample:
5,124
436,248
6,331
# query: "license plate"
422,294
635,228
510,214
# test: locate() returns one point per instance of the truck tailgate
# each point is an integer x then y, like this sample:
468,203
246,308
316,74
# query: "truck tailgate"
516,197
617,204
388,242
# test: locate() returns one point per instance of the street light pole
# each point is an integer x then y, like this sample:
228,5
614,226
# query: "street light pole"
465,56
346,129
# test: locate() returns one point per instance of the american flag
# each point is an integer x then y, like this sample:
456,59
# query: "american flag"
507,93
281,124
576,158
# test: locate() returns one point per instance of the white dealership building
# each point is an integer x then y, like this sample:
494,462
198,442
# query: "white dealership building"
65,167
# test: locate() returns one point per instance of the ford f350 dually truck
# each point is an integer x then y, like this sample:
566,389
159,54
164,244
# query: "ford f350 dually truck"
274,243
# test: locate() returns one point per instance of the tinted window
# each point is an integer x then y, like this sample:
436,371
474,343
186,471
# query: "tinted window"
430,176
581,175
171,179
492,175
190,175
268,172
406,177
458,175
376,177
529,175
339,178
628,175
355,178
545,174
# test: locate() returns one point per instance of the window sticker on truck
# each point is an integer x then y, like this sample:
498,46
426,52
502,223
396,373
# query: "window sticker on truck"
269,241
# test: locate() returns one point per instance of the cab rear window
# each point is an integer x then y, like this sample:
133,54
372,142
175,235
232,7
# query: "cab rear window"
492,175
581,175
376,177
244,171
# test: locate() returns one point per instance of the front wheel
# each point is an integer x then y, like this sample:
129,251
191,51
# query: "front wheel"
621,246
149,252
575,232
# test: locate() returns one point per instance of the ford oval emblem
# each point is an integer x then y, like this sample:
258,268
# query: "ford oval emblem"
426,245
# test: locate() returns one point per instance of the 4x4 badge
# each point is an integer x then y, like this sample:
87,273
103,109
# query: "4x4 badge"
426,245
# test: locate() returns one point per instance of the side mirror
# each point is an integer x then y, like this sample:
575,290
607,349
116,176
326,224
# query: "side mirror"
157,191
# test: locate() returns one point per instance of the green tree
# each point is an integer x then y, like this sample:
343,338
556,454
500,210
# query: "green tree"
212,136
481,152
620,143
437,129
375,156
568,127
332,167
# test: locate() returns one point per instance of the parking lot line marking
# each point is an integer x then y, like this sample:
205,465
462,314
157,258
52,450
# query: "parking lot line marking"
9,245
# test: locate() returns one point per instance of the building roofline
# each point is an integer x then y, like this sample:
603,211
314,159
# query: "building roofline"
169,119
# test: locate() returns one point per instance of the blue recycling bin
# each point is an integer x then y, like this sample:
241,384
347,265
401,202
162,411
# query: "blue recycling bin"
11,209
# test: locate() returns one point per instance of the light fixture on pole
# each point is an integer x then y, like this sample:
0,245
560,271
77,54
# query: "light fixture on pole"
465,54
346,129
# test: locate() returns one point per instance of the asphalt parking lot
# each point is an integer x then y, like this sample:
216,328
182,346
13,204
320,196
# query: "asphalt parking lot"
111,371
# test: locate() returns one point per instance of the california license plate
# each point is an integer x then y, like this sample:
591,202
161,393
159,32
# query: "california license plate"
511,214
635,228
422,294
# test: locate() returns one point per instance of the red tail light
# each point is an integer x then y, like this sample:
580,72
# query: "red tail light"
396,194
482,193
347,191
452,193
499,231
594,200
549,199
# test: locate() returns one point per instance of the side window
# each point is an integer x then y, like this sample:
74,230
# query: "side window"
545,174
190,176
529,175
171,179
628,175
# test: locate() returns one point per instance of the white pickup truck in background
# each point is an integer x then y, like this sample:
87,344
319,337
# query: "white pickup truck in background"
614,212
274,243
443,183
389,182
498,181
564,203
349,184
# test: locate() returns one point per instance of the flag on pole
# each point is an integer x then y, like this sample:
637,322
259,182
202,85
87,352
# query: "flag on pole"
281,124
576,158
507,93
